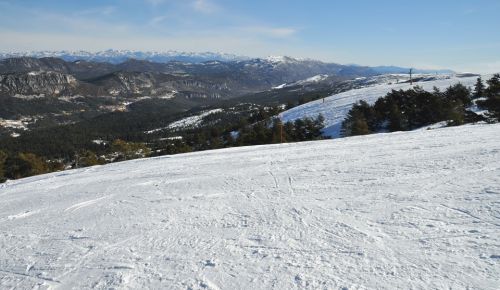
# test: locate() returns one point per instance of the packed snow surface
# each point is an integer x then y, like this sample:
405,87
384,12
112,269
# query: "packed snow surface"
413,210
192,121
336,107
314,79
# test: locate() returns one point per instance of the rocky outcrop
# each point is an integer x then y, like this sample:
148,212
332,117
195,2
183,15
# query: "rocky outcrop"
37,83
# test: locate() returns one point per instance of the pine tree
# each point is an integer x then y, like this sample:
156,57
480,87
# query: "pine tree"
24,165
395,119
360,127
356,122
319,124
493,86
277,131
37,164
89,158
3,157
16,167
459,92
478,88
492,103
289,105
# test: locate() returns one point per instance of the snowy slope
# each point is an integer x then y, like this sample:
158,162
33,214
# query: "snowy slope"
412,210
311,80
336,107
192,121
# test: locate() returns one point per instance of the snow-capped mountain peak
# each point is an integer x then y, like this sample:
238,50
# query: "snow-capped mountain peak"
117,56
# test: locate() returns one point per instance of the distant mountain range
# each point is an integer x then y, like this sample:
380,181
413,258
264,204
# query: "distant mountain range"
120,56
403,70
210,79
47,89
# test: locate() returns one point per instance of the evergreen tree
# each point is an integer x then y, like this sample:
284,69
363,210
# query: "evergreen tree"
16,167
478,88
88,158
493,86
3,157
459,92
278,131
396,120
299,129
319,124
456,113
129,150
360,127
24,165
288,128
356,122
37,164
492,102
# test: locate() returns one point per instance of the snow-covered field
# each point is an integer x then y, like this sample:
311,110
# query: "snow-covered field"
336,107
314,79
413,210
192,121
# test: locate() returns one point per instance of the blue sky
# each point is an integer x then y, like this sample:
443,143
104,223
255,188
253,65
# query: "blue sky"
458,34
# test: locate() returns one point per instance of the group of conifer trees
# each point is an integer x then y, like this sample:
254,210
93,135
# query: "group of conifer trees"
414,108
18,165
490,96
258,128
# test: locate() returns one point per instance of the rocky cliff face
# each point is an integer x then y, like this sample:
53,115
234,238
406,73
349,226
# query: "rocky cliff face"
126,84
37,83
242,76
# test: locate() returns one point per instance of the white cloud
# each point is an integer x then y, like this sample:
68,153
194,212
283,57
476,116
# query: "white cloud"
204,6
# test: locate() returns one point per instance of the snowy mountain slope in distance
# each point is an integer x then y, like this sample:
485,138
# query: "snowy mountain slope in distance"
119,56
405,70
407,210
336,107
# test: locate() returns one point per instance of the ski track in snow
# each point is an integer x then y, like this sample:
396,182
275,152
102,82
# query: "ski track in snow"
335,108
412,210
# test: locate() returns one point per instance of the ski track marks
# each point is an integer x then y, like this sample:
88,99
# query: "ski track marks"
413,210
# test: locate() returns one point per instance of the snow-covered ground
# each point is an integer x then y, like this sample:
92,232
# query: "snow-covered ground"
188,122
311,80
15,124
192,121
408,210
336,107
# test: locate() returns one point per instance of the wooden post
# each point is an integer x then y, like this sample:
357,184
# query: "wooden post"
411,76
